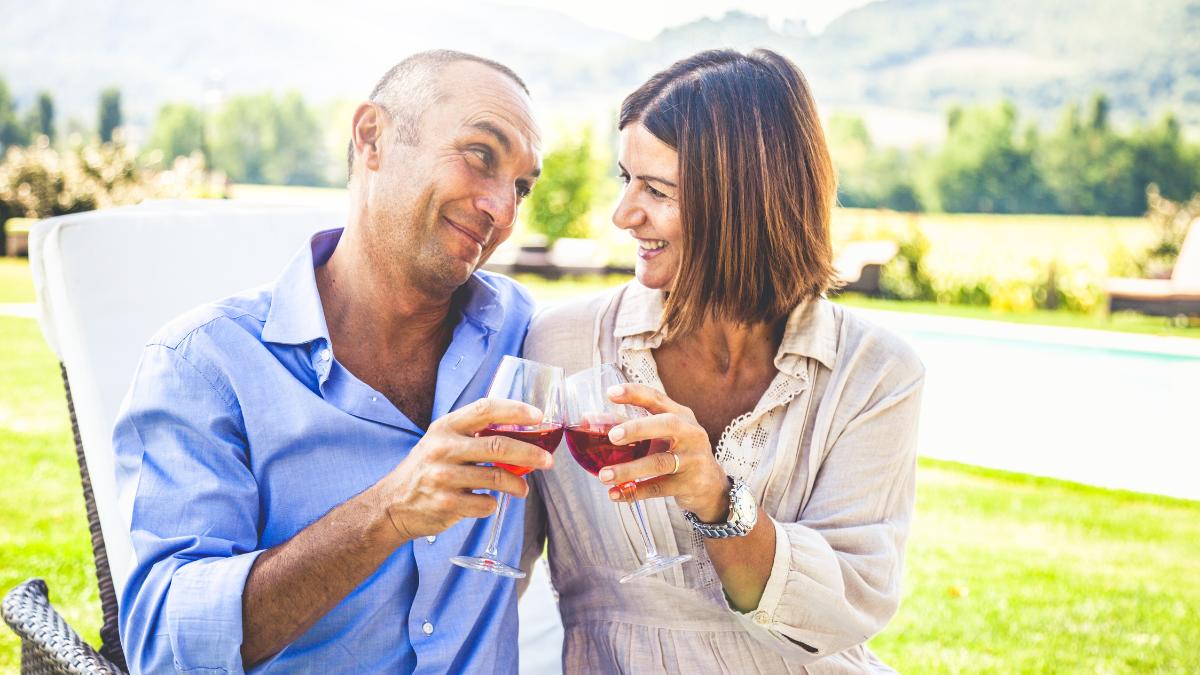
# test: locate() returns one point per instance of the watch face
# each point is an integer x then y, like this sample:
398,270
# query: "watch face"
742,509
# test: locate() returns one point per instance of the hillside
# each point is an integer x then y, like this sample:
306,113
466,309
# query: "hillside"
900,59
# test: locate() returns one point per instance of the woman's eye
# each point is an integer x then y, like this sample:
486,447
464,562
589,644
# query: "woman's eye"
624,178
653,192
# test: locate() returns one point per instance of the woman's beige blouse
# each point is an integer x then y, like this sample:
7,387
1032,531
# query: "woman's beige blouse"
829,452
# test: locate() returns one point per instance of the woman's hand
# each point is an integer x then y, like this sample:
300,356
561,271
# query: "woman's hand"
699,484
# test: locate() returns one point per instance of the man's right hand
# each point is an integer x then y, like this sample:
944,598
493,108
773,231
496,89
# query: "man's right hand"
432,488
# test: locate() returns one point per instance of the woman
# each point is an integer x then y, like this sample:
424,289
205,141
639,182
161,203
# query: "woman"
791,423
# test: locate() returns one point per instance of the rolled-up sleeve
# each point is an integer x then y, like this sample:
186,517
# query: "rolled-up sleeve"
835,580
183,475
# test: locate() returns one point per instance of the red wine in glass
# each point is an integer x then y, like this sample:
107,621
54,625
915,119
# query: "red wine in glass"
546,436
590,446
541,386
590,416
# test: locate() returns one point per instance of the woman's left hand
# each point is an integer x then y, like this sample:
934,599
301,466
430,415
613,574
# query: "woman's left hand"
698,483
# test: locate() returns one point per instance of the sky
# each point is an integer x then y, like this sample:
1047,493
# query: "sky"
643,19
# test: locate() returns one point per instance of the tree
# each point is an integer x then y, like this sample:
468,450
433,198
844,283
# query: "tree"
178,131
298,158
984,166
868,177
1088,167
1161,157
40,120
12,132
110,113
242,137
562,199
258,139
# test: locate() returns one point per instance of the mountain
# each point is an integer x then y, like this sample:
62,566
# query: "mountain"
928,53
895,59
160,50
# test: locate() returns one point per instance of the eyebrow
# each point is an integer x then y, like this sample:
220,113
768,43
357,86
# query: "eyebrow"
501,137
648,178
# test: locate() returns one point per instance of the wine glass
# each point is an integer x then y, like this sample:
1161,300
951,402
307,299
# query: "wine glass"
590,415
538,385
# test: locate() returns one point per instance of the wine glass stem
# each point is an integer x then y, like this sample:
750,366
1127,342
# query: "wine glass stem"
494,538
639,514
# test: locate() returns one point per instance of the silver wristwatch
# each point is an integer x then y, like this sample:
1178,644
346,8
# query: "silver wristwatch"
743,514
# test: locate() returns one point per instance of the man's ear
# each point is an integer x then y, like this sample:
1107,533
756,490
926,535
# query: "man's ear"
367,134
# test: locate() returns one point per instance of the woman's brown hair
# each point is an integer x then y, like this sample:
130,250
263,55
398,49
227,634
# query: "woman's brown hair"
756,185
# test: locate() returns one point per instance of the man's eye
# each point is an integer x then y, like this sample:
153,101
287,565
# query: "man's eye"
484,155
523,191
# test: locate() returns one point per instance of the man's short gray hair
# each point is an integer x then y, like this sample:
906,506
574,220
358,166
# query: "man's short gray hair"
409,88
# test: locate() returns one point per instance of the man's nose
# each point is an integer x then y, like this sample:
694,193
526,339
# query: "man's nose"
500,204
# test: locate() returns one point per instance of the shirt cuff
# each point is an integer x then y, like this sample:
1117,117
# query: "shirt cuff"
204,613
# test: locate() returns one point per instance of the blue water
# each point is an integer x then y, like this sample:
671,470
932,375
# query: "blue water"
1111,417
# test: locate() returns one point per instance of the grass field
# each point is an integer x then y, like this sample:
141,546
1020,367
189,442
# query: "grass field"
15,282
1005,246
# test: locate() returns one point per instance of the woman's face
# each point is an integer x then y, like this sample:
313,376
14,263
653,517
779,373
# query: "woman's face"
649,206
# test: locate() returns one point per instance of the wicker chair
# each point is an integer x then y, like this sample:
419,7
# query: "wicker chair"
106,280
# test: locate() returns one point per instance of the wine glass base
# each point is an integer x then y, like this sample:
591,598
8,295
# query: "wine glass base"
488,565
654,566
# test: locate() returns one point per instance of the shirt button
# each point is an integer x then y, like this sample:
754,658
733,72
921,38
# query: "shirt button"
431,538
325,354
427,628
762,618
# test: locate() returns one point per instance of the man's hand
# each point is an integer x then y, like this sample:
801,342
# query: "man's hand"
433,487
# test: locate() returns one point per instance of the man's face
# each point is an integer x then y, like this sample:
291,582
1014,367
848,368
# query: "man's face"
438,209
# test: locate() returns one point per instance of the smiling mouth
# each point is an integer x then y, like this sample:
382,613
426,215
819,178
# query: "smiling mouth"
651,244
474,237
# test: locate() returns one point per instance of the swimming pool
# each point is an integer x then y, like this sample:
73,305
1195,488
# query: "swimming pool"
1106,409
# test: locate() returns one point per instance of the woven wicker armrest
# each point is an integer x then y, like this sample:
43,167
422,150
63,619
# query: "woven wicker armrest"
48,644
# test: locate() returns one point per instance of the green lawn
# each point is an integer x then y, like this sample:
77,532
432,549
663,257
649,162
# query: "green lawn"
1121,322
1005,573
1013,574
43,528
15,283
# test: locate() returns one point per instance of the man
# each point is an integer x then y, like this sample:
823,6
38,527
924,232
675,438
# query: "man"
299,461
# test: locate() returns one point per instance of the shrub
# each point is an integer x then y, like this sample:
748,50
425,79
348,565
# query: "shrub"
40,182
905,277
564,196
1170,220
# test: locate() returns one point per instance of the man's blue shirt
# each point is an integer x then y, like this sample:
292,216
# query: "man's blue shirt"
241,429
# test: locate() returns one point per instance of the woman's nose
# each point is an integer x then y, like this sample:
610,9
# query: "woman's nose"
627,214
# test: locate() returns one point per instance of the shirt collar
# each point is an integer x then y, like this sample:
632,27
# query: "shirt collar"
481,303
811,330
297,316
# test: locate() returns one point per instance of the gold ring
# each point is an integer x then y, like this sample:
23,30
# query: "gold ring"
676,458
